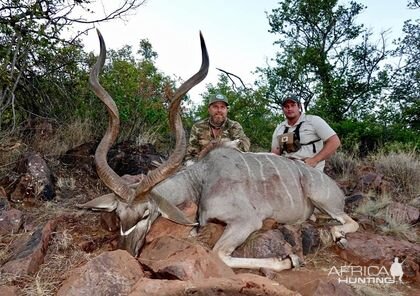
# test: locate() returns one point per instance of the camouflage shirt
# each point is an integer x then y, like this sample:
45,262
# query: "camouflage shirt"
202,134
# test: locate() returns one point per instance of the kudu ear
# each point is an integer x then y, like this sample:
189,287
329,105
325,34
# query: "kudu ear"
171,212
107,202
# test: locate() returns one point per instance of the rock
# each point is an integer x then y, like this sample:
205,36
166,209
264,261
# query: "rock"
82,157
292,234
129,158
309,283
36,180
10,221
164,227
372,181
234,285
30,255
9,290
324,288
415,202
111,273
354,201
367,249
4,204
403,213
311,238
209,234
264,244
173,258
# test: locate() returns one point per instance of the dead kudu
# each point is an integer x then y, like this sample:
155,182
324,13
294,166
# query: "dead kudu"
239,189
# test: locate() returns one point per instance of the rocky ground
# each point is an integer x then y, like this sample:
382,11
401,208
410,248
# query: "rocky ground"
49,247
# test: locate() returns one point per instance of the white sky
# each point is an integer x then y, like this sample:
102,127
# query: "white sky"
236,33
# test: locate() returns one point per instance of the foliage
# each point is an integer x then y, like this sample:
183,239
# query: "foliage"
405,81
330,61
140,92
42,67
364,137
324,57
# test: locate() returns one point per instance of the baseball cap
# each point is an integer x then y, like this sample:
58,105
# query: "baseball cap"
291,97
218,98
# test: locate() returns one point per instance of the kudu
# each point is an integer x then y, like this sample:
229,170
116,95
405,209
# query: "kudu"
239,189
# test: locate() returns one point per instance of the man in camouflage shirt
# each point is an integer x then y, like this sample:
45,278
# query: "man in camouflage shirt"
215,129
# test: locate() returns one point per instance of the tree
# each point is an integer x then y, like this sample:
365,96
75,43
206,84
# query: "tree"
37,50
405,81
140,92
325,58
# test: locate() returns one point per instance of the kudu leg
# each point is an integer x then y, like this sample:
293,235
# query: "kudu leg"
233,236
339,232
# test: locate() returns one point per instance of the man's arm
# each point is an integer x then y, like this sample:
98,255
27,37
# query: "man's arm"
275,147
237,133
330,147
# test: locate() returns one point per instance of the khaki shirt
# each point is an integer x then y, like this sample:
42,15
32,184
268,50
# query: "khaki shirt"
313,128
201,135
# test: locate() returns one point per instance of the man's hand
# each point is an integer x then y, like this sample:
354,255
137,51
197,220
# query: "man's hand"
206,149
311,161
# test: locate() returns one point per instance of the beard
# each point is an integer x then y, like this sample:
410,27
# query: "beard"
217,119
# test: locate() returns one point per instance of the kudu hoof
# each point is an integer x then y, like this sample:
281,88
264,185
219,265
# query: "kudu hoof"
296,261
342,243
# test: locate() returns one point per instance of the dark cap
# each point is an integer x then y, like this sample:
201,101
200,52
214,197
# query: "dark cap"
218,98
293,98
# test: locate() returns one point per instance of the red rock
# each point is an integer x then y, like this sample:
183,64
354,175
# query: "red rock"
368,249
181,259
164,227
111,273
403,213
9,290
234,285
10,221
30,255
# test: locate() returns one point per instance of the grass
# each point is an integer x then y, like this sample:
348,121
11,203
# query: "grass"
397,229
374,206
404,171
65,137
343,166
379,208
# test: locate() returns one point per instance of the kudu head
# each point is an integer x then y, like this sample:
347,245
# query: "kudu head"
135,204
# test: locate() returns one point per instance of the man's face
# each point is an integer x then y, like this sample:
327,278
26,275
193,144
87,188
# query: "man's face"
218,112
291,110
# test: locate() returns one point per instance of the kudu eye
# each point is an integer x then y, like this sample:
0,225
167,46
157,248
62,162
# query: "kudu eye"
146,214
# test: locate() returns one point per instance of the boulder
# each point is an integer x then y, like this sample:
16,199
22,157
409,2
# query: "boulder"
10,221
36,179
111,273
367,249
233,285
174,258
29,255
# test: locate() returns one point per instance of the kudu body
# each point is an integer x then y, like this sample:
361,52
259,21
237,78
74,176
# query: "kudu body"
239,189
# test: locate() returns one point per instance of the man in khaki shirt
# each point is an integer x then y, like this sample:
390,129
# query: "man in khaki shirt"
317,139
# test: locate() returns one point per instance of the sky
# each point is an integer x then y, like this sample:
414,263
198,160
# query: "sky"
236,33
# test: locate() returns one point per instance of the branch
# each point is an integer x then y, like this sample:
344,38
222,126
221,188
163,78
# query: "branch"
233,82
